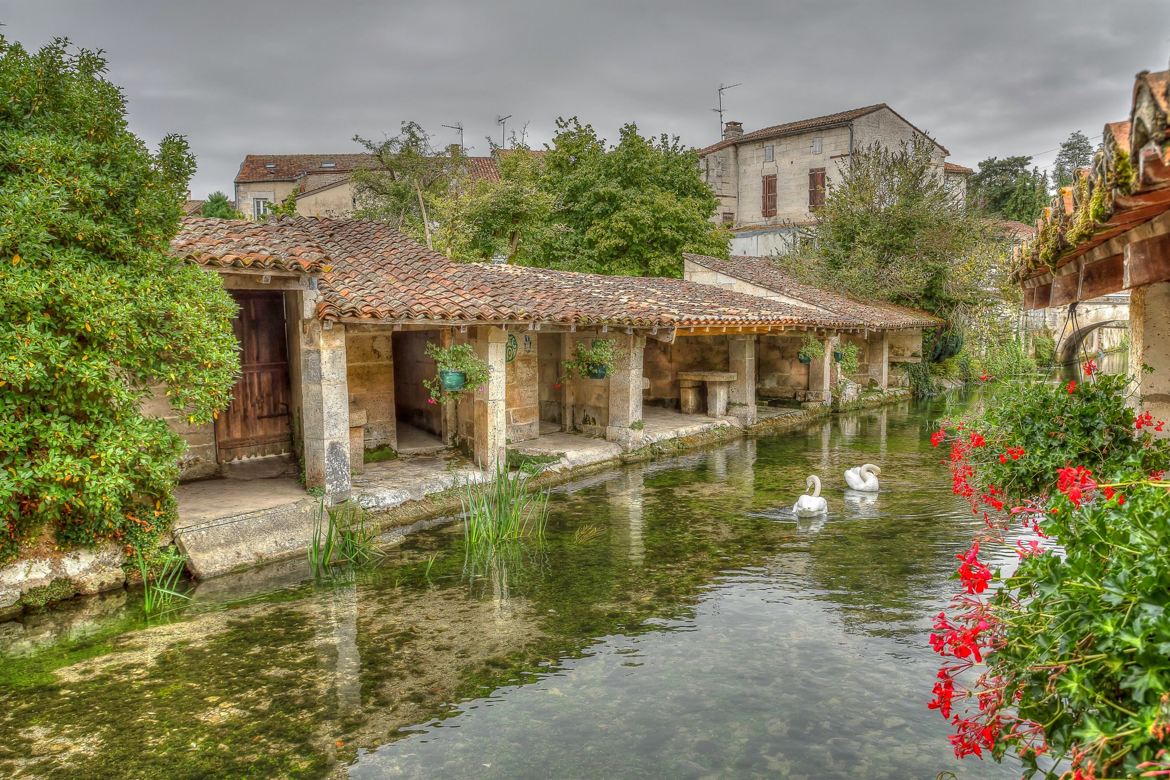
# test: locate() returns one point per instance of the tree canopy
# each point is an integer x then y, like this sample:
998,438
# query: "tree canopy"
96,312
1009,189
218,205
578,205
1076,152
890,229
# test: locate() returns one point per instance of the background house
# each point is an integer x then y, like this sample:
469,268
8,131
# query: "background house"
323,183
771,181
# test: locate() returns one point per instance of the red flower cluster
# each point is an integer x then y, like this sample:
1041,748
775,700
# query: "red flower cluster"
1147,421
972,572
937,437
977,440
1108,493
1090,368
984,377
1071,387
1015,453
959,641
1075,483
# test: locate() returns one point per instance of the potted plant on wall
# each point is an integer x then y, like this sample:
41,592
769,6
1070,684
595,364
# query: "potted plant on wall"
594,360
459,370
810,349
848,357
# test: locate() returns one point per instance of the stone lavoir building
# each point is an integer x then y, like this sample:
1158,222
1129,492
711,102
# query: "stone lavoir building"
771,181
1110,232
335,317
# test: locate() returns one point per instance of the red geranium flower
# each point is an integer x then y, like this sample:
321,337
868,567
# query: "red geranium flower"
1071,387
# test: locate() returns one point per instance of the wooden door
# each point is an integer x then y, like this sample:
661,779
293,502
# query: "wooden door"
258,422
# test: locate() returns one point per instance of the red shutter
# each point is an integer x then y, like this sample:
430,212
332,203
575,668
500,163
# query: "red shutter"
816,188
768,199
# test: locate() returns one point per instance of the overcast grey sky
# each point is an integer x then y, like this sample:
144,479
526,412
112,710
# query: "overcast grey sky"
985,77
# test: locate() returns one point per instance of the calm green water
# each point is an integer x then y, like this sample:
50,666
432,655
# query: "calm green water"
678,623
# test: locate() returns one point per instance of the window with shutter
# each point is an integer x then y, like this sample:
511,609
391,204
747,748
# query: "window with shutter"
816,188
768,190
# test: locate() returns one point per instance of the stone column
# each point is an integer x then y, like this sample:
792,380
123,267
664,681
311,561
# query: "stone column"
450,420
568,345
625,391
742,360
490,448
1149,345
883,357
820,374
325,408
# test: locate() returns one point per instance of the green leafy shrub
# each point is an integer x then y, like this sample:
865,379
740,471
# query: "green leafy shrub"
923,383
96,311
1069,654
596,355
811,348
1044,348
1007,360
850,362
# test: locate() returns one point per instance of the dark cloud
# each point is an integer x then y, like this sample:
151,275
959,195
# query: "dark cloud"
994,77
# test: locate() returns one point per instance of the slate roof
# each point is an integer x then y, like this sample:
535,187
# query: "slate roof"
805,125
372,272
764,272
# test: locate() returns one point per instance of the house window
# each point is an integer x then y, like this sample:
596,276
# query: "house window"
768,190
728,218
769,153
260,207
816,188
816,145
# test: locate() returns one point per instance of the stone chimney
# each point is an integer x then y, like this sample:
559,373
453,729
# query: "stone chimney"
732,130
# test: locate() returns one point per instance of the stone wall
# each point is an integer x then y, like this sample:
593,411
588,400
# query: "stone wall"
199,461
1150,346
549,373
333,202
522,386
411,367
590,397
275,191
891,131
781,374
370,372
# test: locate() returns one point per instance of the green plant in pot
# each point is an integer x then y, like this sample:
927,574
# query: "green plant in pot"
811,349
594,360
848,358
459,370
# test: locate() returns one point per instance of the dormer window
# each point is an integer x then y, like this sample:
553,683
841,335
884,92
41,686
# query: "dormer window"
270,166
329,164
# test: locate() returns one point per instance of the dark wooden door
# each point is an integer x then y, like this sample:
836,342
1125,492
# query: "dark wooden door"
258,422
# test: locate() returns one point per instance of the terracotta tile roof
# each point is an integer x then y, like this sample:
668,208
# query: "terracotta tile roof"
286,167
373,272
237,243
950,167
764,272
482,168
192,207
805,125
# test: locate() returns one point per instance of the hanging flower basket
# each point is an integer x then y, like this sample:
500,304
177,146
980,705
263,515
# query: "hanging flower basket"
594,360
838,355
452,381
810,349
803,358
597,372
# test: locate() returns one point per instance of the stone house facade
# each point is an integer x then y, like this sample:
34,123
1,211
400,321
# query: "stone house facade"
771,181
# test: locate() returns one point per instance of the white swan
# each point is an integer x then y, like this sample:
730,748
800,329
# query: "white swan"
863,478
809,505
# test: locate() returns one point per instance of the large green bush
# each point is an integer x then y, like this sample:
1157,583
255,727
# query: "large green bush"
95,310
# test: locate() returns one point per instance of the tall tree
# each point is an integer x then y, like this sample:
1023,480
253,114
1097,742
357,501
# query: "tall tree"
406,181
889,229
96,310
1076,152
218,205
1008,188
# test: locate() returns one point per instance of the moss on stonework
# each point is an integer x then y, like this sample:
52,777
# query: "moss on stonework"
58,589
380,454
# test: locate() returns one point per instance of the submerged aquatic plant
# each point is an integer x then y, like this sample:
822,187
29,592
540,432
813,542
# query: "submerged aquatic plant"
341,536
503,510
160,579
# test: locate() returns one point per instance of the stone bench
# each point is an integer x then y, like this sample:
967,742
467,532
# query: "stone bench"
718,390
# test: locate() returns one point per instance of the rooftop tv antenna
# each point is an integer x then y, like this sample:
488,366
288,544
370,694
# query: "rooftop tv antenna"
723,88
458,126
502,121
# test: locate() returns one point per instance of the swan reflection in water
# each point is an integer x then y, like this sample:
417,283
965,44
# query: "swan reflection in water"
861,504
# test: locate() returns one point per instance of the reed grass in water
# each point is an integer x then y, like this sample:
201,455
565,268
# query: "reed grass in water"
160,579
503,509
342,537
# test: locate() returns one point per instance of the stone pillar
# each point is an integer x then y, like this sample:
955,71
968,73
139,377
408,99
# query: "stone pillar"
325,408
568,345
883,357
820,374
450,420
1149,345
742,360
490,448
625,391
